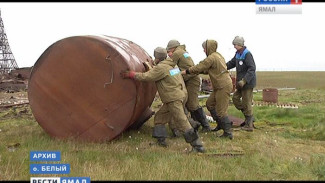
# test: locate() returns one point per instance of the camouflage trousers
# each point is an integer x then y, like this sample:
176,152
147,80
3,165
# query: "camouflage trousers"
242,99
219,101
192,88
173,114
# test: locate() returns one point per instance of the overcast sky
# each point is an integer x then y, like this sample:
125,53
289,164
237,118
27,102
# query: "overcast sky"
278,42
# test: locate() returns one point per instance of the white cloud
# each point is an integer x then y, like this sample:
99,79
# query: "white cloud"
278,42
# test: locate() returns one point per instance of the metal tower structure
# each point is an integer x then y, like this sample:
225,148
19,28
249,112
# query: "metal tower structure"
7,59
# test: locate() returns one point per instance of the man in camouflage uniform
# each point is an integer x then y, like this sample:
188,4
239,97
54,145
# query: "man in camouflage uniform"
218,101
246,81
183,60
168,82
172,125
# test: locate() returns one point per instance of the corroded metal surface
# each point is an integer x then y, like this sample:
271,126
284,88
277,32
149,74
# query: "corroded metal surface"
235,121
270,95
75,89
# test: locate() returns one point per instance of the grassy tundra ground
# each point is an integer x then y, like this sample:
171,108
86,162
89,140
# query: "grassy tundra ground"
288,144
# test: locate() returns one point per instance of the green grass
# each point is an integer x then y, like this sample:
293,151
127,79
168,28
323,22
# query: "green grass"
288,144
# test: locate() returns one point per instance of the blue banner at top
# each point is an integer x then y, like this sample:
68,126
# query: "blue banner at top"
273,1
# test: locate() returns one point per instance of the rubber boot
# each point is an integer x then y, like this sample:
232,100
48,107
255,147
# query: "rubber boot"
243,123
192,137
226,128
176,133
162,142
160,132
249,126
217,119
194,123
197,146
200,116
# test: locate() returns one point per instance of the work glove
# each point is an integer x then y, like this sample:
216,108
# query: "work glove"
127,74
241,83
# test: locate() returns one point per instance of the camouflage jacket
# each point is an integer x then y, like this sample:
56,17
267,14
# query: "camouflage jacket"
215,66
170,86
184,61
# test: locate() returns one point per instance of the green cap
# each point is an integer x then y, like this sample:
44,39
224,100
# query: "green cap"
160,53
172,44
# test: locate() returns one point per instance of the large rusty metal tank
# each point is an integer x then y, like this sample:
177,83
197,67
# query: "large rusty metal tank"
75,89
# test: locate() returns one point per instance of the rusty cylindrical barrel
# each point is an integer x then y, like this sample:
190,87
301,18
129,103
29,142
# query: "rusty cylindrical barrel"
75,89
270,95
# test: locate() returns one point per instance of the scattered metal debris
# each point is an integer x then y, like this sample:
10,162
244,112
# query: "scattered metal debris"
12,99
13,146
226,154
15,81
12,105
278,105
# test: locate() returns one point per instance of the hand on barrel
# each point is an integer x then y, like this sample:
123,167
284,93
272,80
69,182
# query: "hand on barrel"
126,74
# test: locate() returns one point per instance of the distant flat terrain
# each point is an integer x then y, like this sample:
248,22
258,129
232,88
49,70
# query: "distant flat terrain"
291,79
288,79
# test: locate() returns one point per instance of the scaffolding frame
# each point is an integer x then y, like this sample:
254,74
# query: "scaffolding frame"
7,59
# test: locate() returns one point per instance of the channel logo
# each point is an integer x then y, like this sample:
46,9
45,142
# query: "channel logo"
60,180
291,2
278,6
